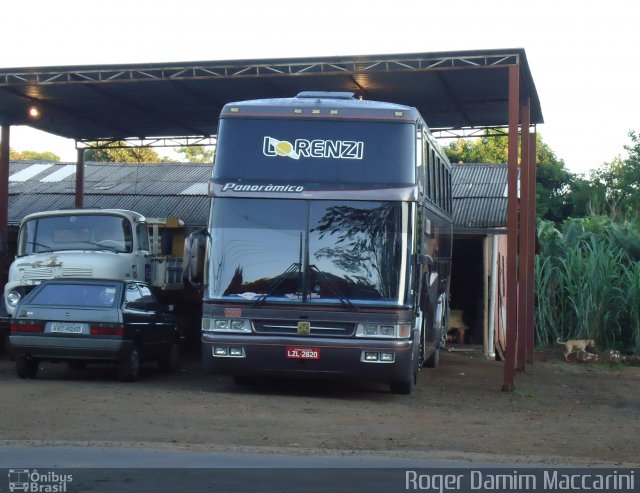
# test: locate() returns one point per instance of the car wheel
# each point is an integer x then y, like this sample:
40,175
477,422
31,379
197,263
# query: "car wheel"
76,365
26,367
170,362
129,365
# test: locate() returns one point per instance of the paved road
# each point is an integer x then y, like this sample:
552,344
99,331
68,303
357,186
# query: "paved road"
123,470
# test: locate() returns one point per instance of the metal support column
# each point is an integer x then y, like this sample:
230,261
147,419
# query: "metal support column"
509,384
524,316
533,235
80,179
4,201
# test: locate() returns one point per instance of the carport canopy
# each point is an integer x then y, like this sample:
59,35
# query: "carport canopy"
452,90
463,90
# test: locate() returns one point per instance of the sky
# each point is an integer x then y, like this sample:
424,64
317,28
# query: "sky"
582,55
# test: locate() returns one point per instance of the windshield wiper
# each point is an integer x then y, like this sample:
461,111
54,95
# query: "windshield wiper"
276,284
102,246
41,245
343,299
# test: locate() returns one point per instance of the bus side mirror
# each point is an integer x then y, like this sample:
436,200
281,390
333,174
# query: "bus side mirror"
193,259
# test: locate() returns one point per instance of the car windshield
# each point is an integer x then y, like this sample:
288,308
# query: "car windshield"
295,251
86,295
77,232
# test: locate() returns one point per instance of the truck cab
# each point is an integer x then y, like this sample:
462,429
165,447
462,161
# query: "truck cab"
78,243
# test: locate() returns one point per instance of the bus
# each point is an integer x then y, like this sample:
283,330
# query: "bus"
329,241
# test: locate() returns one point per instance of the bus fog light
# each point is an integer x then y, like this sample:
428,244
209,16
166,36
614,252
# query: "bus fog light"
220,351
387,357
238,352
370,356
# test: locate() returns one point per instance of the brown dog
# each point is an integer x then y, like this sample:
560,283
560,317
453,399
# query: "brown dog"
576,345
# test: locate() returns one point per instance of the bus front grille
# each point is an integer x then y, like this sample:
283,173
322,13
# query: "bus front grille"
290,327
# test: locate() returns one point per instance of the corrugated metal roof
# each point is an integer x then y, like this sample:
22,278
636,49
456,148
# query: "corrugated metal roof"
479,196
155,190
171,190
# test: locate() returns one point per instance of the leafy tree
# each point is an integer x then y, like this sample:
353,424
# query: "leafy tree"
554,183
618,182
113,152
33,155
197,154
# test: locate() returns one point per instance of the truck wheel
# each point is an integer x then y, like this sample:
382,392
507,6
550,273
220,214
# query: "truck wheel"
170,362
129,365
26,367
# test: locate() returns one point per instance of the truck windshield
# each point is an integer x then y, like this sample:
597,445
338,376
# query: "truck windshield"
79,232
316,152
297,251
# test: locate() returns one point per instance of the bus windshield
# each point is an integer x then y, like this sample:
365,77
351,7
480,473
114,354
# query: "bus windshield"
77,232
322,152
301,251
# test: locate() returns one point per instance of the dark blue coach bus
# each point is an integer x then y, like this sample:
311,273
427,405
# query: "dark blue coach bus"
329,242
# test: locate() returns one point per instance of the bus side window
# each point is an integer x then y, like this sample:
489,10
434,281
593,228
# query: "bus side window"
420,163
438,184
432,176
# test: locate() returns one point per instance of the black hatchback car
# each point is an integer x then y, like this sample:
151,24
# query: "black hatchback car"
91,320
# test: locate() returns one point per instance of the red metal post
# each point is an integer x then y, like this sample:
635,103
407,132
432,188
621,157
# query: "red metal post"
524,325
4,201
80,179
512,232
532,248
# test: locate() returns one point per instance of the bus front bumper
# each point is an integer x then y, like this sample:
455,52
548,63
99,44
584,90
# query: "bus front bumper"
250,355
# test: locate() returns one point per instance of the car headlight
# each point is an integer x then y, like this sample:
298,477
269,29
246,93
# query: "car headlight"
225,325
13,298
398,331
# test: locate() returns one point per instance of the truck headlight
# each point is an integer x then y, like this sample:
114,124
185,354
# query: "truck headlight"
225,325
384,331
13,298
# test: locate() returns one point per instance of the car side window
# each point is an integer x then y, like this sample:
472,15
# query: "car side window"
132,294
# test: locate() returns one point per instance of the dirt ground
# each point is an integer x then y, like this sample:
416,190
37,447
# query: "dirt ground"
560,412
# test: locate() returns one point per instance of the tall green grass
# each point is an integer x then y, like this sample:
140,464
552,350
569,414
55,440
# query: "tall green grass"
588,283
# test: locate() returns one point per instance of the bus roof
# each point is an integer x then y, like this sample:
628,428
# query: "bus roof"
321,104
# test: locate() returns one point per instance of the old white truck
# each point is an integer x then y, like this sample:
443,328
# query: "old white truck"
95,243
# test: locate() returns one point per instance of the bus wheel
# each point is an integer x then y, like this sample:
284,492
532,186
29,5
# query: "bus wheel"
406,387
434,359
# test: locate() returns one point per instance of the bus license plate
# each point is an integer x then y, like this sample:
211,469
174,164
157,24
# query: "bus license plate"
303,353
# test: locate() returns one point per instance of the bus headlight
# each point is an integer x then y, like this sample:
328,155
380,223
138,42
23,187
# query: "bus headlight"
13,298
380,331
226,325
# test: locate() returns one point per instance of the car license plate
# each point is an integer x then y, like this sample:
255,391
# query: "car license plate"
66,327
303,353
